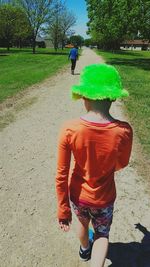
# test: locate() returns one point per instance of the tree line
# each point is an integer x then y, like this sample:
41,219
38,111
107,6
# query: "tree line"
113,21
21,21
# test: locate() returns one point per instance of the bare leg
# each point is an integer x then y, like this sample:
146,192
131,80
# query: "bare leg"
99,252
82,233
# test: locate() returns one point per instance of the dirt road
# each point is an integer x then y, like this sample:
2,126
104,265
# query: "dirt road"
28,228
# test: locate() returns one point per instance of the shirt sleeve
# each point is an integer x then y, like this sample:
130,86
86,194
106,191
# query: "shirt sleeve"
63,166
124,148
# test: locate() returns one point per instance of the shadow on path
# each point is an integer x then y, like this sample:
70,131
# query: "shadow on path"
76,73
135,62
126,52
133,254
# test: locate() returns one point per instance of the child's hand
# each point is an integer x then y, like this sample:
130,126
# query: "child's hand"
64,225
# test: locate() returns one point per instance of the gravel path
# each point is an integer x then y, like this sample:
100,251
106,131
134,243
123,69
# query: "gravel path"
28,228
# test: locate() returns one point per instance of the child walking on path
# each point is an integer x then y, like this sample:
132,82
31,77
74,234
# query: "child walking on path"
100,145
73,55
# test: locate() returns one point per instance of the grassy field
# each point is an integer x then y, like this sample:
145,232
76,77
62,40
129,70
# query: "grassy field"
134,67
20,68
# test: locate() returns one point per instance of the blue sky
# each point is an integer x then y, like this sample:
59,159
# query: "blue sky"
79,9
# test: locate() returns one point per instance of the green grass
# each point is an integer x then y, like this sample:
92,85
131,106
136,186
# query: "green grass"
134,67
20,69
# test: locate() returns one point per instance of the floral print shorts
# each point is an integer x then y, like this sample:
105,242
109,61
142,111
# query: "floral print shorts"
101,218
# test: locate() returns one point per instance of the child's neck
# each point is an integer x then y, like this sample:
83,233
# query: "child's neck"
97,116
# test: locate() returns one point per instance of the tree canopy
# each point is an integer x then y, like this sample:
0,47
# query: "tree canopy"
13,24
144,19
29,19
38,13
61,22
112,21
77,40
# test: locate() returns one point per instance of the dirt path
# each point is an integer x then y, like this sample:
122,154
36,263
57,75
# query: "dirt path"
28,229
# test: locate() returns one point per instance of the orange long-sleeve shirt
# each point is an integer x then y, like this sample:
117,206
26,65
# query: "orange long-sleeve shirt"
99,150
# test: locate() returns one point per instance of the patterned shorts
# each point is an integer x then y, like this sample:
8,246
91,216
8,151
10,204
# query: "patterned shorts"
101,218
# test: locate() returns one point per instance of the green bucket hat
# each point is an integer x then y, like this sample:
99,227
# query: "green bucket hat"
99,81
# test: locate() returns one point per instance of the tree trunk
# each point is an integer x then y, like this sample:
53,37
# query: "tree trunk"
34,44
62,44
8,45
20,43
56,44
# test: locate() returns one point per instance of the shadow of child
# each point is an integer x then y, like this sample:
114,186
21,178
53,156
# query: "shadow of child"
133,254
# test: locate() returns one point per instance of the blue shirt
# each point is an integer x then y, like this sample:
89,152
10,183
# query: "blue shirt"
73,54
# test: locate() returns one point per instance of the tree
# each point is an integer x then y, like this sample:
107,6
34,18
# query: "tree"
55,23
110,21
107,22
60,24
38,14
13,24
144,19
77,40
89,42
67,21
23,28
